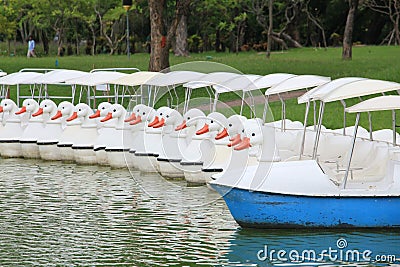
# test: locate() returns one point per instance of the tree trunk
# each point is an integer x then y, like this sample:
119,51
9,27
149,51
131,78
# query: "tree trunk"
159,57
269,40
45,41
396,29
217,41
348,31
181,44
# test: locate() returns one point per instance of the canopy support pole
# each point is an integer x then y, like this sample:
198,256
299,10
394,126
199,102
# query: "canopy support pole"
353,142
344,116
394,127
303,140
315,115
215,102
318,134
283,116
265,112
241,106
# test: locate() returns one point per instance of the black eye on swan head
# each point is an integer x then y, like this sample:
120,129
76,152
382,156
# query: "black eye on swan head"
253,134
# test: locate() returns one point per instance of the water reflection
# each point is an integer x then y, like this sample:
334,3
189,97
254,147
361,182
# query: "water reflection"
250,247
66,214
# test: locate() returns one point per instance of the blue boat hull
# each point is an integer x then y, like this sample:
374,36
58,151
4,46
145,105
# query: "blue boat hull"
270,210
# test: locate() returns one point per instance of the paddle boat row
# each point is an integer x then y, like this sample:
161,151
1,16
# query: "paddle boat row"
324,185
271,174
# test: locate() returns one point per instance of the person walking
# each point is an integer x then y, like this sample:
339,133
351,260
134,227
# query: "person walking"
31,47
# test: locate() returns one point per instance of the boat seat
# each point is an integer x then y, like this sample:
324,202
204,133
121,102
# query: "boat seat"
362,156
333,147
288,140
385,135
361,132
309,142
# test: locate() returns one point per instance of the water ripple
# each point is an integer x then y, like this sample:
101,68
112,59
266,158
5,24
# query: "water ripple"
54,214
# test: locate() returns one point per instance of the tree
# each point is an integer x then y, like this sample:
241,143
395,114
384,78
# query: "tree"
161,33
258,7
181,36
390,8
348,31
112,27
8,22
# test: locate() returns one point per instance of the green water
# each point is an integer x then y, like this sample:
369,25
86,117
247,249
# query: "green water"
54,214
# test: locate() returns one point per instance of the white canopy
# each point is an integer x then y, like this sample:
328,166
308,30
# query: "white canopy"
273,79
136,78
96,78
243,82
320,91
214,78
360,88
2,73
297,83
387,102
19,78
174,78
58,76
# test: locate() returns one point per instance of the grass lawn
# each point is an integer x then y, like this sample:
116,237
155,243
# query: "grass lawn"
378,62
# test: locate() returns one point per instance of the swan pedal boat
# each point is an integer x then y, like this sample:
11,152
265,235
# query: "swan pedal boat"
361,189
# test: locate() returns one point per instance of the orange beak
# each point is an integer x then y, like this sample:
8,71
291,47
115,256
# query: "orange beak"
159,124
58,115
37,113
131,118
95,115
203,130
181,126
244,144
1,109
73,117
235,140
106,118
136,121
22,110
222,134
154,122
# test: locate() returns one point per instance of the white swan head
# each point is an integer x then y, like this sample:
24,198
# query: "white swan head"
47,106
253,134
235,129
102,110
159,119
81,110
215,122
7,105
29,105
191,118
115,111
173,118
65,109
143,113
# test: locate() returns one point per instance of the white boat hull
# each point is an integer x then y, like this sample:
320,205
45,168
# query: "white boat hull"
49,151
11,150
170,170
30,150
84,155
